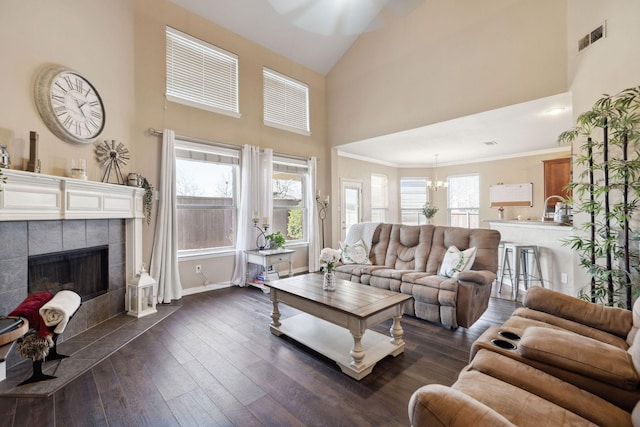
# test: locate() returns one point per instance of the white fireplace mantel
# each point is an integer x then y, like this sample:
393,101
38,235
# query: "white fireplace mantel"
34,196
28,196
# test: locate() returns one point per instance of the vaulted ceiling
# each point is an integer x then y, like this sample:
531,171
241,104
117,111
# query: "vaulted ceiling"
317,33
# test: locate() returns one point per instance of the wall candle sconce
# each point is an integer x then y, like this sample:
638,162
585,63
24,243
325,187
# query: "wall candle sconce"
261,240
322,212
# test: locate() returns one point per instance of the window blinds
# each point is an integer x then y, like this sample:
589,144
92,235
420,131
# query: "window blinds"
413,193
194,151
378,191
201,75
286,102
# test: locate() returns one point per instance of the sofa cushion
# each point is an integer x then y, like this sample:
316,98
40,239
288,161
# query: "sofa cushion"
456,261
356,253
543,385
609,319
436,405
580,354
357,269
464,238
518,405
409,247
524,317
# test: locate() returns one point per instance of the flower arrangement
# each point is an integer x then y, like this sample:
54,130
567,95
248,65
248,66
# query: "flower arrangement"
429,210
328,258
501,209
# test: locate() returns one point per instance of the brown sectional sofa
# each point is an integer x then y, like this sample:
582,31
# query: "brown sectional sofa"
571,363
407,258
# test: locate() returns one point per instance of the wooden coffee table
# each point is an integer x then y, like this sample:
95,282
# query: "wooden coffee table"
336,324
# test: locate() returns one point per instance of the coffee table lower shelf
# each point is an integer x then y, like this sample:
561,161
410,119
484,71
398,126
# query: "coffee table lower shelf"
336,342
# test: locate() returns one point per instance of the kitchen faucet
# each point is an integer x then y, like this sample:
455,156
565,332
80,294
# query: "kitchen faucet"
544,212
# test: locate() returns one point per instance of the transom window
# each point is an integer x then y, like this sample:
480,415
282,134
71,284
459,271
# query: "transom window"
289,181
286,102
200,74
206,190
413,196
464,201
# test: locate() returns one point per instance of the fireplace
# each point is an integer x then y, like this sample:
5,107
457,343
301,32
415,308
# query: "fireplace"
84,271
42,215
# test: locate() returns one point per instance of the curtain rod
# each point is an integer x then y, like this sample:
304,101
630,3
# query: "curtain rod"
155,132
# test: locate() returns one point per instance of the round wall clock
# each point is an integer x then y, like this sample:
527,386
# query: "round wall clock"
69,104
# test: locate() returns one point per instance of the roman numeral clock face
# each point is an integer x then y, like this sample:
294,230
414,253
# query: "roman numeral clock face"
69,105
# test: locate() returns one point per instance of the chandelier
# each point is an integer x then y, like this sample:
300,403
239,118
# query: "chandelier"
436,184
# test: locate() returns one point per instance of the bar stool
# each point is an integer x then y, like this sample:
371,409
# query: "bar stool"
520,254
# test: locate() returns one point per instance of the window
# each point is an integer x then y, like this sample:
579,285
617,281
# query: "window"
464,201
206,190
201,75
289,181
286,102
379,197
413,196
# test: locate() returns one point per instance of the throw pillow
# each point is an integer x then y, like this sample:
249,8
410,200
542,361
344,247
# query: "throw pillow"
356,253
456,261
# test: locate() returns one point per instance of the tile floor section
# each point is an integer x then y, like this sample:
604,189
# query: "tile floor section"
85,350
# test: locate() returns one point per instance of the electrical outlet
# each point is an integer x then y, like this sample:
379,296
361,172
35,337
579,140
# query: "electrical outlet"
563,278
198,268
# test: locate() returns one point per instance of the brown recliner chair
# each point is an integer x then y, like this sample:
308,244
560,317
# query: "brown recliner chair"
572,359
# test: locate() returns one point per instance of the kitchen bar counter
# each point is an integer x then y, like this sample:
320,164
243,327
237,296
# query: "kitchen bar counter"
557,261
528,223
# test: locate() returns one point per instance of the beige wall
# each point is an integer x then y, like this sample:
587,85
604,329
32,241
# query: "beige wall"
152,110
429,67
508,171
97,43
610,65
515,170
346,168
119,46
447,60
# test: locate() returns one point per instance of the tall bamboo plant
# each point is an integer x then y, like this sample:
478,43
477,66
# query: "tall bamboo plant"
608,190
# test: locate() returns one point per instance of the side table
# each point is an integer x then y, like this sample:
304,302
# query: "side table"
267,258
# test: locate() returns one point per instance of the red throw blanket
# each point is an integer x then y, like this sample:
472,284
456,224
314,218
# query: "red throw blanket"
29,310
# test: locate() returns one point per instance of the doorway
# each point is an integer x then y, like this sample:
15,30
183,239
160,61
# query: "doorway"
351,202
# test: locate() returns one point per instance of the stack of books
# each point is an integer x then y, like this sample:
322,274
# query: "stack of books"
271,274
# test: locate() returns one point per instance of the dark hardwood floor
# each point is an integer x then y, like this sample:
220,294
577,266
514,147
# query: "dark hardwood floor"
215,363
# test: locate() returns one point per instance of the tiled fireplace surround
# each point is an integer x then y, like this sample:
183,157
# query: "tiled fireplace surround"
42,214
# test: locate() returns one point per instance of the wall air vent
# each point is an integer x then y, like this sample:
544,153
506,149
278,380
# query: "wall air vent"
589,39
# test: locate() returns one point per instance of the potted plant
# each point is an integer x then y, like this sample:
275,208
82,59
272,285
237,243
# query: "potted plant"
429,210
275,240
608,191
147,199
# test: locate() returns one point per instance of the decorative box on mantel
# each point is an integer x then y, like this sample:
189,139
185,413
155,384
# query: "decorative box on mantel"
141,295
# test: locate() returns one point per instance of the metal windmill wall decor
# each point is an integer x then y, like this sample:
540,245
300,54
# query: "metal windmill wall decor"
112,156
